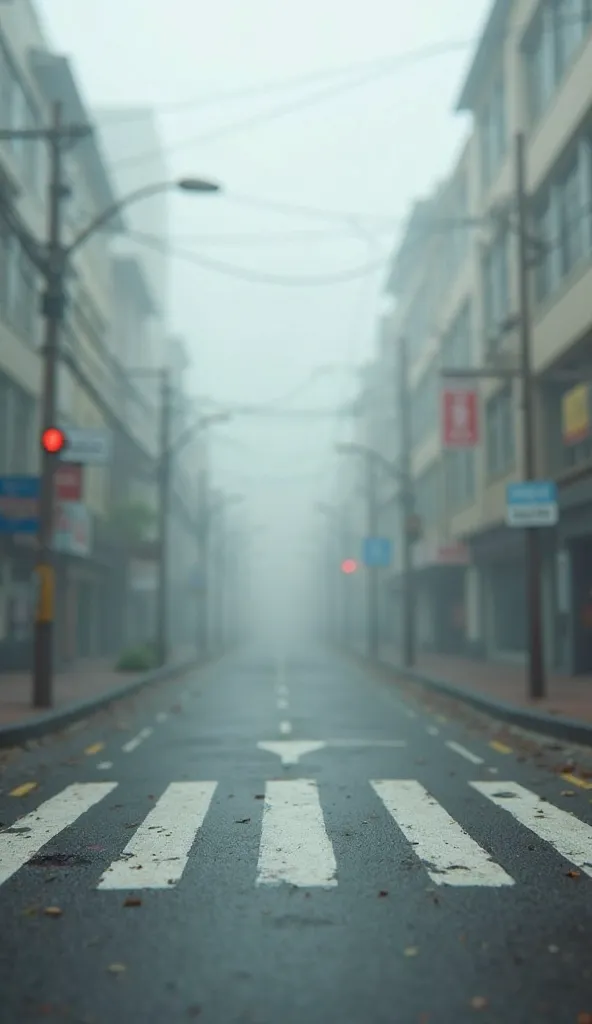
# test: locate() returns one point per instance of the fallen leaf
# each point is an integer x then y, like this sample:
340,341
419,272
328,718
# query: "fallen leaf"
567,792
132,901
573,874
553,949
242,821
383,892
116,968
411,951
478,1002
53,912
584,1018
30,911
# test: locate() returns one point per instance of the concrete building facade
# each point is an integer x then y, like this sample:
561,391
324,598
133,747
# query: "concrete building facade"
455,291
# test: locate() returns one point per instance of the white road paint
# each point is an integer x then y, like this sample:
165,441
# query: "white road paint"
282,690
433,731
295,847
104,766
161,717
366,743
51,818
133,744
282,704
156,855
285,728
569,836
468,756
449,854
291,751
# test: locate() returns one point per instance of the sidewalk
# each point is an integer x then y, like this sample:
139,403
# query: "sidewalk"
568,696
82,682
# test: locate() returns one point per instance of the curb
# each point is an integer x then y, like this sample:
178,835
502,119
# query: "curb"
554,726
55,721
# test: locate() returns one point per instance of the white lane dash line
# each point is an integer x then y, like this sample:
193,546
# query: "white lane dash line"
161,717
458,749
282,690
282,703
40,826
285,728
295,847
449,854
156,856
433,731
104,766
135,742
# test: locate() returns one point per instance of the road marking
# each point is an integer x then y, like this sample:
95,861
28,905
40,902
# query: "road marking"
448,853
291,751
282,704
285,728
156,856
295,847
458,749
433,731
410,714
282,690
161,717
24,789
104,766
94,748
135,742
366,743
40,826
500,747
575,781
565,833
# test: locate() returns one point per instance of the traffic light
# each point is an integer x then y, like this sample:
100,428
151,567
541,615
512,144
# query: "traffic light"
348,566
53,440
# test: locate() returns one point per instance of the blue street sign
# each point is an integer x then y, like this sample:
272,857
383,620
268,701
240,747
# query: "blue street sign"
19,498
532,503
377,552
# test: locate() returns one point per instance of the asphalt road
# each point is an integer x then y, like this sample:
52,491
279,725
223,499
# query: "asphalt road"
283,838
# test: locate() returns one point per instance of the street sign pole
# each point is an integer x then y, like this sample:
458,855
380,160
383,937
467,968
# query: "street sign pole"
372,602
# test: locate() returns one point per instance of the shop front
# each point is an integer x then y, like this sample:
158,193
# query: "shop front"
441,612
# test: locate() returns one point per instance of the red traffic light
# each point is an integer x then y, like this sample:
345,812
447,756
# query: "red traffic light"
53,440
349,565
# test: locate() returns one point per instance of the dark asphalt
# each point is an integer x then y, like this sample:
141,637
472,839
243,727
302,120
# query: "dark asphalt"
386,944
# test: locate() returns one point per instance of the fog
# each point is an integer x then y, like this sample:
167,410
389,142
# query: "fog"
342,170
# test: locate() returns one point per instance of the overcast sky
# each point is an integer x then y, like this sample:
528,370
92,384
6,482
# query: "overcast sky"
369,150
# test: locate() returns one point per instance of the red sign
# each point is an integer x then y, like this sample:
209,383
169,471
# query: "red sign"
68,482
460,418
348,566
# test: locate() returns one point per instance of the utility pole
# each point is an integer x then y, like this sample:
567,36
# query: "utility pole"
164,496
407,505
536,665
203,549
53,313
372,602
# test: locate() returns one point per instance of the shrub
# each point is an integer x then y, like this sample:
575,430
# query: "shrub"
140,659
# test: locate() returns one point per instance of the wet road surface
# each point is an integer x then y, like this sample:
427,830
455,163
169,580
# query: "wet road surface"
284,837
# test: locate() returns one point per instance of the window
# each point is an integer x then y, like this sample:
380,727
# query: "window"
493,131
571,219
500,436
424,409
456,343
460,478
25,312
543,223
496,290
551,44
428,496
17,412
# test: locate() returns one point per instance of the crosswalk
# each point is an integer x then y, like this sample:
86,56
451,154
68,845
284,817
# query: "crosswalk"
295,845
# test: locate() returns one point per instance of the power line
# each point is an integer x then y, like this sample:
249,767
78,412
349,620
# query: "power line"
312,99
153,241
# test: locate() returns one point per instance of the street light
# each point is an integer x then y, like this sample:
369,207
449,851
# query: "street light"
54,267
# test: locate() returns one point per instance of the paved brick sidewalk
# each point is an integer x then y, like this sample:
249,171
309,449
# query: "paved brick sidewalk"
85,680
568,696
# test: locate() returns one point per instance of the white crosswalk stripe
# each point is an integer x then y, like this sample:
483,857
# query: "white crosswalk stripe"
30,833
450,856
569,836
156,855
295,846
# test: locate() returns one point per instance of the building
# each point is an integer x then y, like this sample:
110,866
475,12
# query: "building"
454,282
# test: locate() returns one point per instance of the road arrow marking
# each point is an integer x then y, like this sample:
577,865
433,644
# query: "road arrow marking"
291,751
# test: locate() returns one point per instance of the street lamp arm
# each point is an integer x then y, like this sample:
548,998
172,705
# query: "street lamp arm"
111,211
195,428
